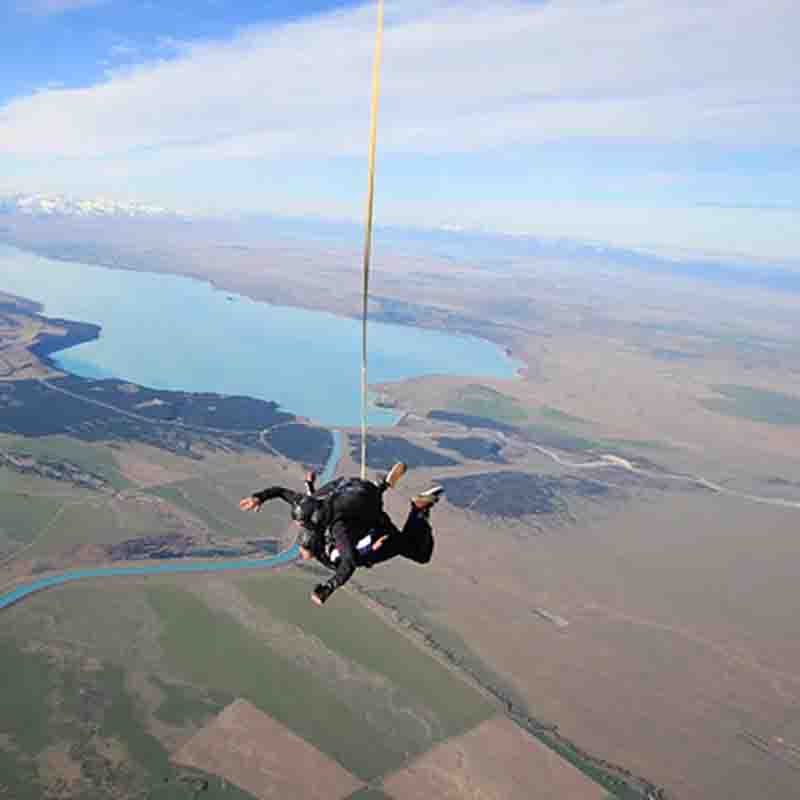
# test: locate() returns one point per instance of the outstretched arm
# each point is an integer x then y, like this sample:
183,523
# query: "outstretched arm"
257,499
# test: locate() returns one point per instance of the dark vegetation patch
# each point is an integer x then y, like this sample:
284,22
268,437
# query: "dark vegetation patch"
202,410
165,546
183,704
52,469
473,447
778,481
75,333
517,494
304,443
179,422
755,404
384,451
472,421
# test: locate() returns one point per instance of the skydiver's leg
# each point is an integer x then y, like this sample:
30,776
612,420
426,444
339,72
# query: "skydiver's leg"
391,546
414,542
417,536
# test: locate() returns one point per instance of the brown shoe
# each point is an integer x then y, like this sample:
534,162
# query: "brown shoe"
392,477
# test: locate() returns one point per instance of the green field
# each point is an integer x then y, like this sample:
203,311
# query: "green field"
25,718
482,401
758,405
182,704
49,700
17,483
359,635
215,501
22,517
412,611
80,523
235,661
97,459
560,417
548,426
198,660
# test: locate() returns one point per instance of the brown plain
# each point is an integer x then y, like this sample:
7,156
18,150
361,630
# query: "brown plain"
495,761
681,657
261,756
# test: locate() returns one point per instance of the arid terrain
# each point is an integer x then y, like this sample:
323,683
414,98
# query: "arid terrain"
617,555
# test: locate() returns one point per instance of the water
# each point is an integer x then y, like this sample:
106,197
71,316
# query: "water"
171,567
175,333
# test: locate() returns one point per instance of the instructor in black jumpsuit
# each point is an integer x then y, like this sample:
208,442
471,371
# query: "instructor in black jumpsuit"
343,513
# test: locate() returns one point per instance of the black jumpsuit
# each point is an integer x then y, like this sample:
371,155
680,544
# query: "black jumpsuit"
351,509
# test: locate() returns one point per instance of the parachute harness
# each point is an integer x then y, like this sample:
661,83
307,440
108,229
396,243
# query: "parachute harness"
368,233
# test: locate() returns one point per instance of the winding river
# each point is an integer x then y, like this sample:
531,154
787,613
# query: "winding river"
24,590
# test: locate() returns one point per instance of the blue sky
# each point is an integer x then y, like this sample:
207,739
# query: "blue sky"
636,122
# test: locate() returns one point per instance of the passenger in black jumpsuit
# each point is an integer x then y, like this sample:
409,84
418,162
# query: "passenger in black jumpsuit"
342,513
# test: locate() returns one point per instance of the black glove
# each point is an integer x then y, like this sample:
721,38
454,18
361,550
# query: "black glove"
321,593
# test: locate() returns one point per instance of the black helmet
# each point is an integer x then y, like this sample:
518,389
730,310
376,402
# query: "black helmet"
311,540
307,512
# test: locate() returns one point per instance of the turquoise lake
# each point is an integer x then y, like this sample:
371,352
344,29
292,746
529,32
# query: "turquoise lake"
176,333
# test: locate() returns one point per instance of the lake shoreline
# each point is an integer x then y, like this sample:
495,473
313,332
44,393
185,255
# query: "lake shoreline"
293,330
299,299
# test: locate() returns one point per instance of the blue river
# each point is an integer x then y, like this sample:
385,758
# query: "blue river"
286,557
175,333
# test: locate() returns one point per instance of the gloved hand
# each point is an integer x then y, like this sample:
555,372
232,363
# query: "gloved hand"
321,593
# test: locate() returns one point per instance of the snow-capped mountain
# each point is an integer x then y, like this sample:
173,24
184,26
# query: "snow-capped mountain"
55,204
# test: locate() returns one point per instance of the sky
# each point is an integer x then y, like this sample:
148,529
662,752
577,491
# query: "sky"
663,125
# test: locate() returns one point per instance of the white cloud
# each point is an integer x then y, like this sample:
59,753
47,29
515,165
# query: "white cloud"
463,76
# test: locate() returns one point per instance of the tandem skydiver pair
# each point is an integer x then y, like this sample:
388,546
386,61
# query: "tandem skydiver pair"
344,526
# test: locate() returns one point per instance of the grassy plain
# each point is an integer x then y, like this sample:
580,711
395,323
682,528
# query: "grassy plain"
96,459
748,402
495,760
680,650
281,764
360,636
237,662
215,501
22,518
54,704
86,654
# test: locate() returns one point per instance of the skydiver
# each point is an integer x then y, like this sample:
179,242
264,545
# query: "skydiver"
344,526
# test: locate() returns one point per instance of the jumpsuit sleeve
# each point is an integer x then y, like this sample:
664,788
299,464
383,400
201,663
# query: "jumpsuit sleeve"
287,495
346,565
